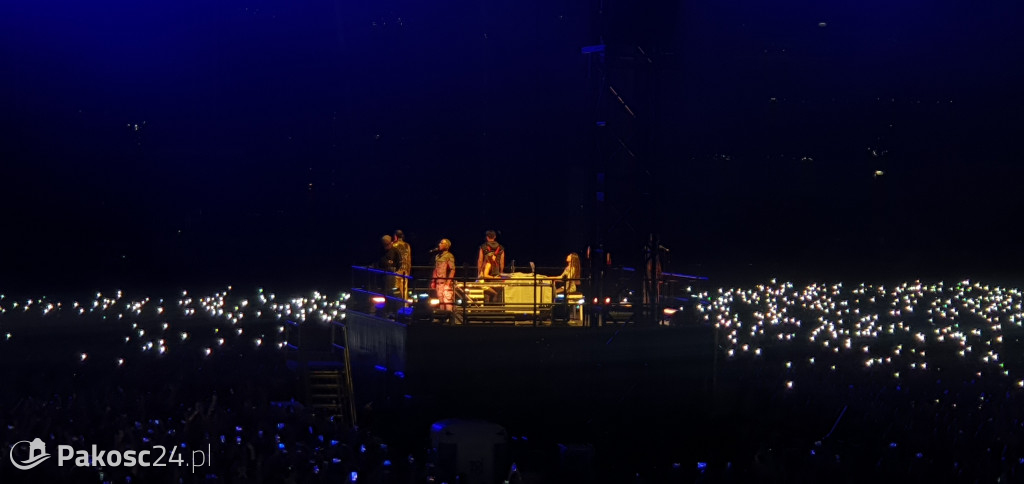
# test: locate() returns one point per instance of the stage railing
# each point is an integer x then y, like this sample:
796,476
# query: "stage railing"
515,297
378,281
375,291
674,298
511,297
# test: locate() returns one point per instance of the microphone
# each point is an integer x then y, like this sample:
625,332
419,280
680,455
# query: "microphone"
435,250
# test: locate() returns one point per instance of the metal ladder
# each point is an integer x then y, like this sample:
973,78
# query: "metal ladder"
325,371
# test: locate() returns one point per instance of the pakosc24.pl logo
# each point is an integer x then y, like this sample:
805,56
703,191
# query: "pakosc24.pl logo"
156,456
36,454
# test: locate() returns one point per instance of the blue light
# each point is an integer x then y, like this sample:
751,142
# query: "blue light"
353,476
400,374
334,443
280,426
387,463
892,445
362,449
701,466
280,446
380,368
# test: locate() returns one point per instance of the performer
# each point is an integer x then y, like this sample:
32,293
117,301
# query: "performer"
570,276
405,266
490,272
491,245
444,272
389,261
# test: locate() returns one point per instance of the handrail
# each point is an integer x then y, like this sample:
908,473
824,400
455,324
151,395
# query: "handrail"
379,271
684,276
536,292
385,296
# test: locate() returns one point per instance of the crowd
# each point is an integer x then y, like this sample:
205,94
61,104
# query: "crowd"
813,383
838,384
206,377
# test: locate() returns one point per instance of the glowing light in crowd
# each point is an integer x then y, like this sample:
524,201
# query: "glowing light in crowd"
837,319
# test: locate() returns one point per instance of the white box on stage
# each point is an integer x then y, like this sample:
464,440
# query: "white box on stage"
522,290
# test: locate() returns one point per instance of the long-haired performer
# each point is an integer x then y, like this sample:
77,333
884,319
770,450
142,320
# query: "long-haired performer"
571,274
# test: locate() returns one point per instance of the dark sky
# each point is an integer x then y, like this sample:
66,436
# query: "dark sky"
272,141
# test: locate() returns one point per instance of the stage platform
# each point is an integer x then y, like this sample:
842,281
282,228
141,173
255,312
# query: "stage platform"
563,382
